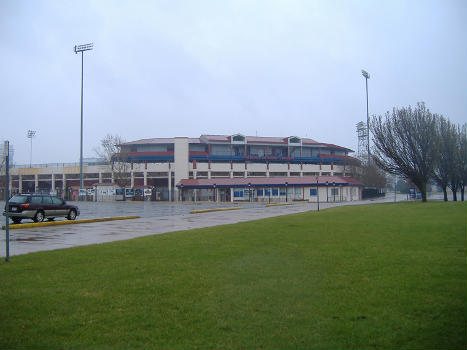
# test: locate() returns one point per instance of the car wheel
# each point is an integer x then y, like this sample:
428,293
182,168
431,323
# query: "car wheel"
71,215
16,220
39,217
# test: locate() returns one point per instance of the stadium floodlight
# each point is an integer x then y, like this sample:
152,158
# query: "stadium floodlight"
82,48
367,76
85,47
31,134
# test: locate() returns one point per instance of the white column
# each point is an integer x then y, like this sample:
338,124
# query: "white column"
145,174
36,182
20,183
132,179
181,161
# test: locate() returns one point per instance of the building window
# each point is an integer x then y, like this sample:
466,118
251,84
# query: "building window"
313,192
275,192
334,191
238,193
259,192
220,174
273,174
256,174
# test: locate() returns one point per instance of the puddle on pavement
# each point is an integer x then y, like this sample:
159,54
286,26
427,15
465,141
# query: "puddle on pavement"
32,239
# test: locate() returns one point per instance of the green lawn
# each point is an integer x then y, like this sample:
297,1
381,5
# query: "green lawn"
384,276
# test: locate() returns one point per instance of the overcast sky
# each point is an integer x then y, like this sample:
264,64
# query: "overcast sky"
186,68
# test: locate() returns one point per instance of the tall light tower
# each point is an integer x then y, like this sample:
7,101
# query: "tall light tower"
367,76
31,134
82,48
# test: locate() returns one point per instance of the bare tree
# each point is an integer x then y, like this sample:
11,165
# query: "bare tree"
446,169
369,174
404,144
462,158
110,150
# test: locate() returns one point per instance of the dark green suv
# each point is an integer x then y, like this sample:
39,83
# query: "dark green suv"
39,207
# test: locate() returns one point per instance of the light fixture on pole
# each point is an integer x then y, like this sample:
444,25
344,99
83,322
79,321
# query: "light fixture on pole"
82,48
31,134
367,76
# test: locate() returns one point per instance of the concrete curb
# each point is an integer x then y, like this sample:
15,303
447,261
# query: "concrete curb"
68,222
277,204
214,209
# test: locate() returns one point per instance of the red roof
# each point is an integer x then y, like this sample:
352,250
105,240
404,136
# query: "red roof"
270,181
227,139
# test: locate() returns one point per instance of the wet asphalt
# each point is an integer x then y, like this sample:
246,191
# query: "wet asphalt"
156,218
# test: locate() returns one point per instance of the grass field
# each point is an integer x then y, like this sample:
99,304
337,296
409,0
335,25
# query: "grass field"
387,276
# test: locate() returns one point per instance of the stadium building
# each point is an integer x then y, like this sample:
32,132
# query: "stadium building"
211,167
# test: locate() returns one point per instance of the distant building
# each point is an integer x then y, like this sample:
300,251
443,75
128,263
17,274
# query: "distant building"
166,164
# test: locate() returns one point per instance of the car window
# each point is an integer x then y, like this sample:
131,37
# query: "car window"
19,199
46,200
57,201
36,199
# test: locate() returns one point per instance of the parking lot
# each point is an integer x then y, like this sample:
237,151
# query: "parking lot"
156,218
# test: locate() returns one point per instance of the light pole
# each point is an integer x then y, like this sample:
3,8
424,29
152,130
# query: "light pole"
334,190
327,192
286,195
31,134
82,48
317,190
6,155
367,76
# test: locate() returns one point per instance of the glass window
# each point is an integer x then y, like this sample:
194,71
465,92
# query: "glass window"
313,192
275,192
282,191
267,191
47,200
19,199
57,201
36,199
238,193
334,191
260,192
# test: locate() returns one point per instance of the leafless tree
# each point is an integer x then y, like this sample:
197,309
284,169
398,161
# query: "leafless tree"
462,158
404,144
446,169
369,174
110,150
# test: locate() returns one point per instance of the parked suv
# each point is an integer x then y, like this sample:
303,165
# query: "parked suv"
39,207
